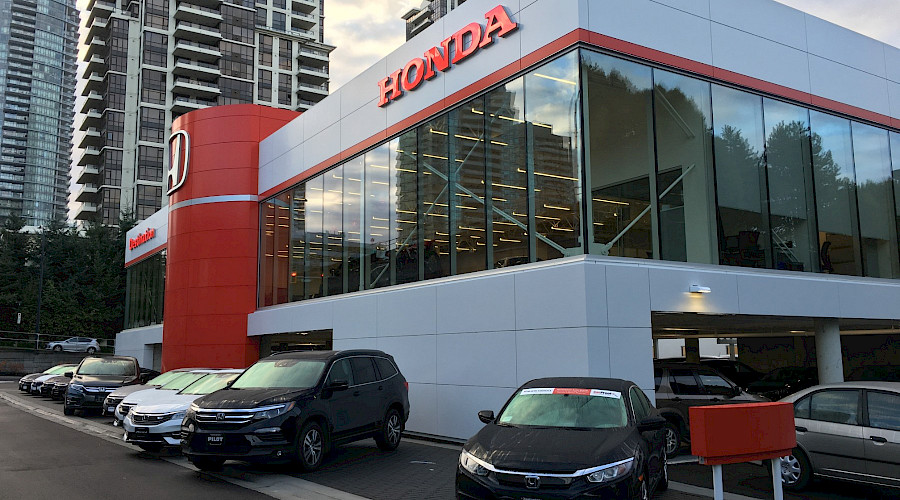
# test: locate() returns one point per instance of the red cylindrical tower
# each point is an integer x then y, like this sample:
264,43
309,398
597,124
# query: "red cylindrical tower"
213,238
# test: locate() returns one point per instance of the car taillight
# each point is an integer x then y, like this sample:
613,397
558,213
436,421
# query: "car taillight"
406,384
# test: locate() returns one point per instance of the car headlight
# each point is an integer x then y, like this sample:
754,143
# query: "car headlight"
472,464
76,387
272,411
611,471
177,416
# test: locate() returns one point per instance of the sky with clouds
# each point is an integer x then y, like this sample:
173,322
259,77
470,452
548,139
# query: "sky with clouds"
365,30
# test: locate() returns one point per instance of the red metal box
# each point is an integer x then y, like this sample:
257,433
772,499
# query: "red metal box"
741,433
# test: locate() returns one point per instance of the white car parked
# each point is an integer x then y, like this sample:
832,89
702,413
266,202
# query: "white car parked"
76,344
118,395
174,385
155,423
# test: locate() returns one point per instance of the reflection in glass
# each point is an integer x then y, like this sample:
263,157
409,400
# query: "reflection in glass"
832,154
685,180
791,205
552,113
620,155
377,227
333,228
267,253
740,178
434,216
895,155
353,216
315,237
872,158
296,284
506,180
282,245
404,224
467,172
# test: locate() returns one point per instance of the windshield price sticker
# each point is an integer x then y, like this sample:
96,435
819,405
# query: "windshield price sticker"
573,392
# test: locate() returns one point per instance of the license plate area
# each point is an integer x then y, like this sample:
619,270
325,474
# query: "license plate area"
215,439
141,430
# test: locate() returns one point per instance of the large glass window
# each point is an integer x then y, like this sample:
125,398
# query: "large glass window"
434,218
315,237
895,156
467,201
377,227
403,202
282,234
682,110
354,171
740,178
145,285
872,159
297,288
620,155
835,182
333,241
552,114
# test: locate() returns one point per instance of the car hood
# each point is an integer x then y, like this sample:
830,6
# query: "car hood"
31,376
103,380
250,398
121,392
57,379
174,403
537,449
43,378
149,396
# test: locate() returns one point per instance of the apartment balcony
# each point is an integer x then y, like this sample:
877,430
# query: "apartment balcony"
98,9
303,21
89,156
197,14
96,47
90,174
91,137
187,49
311,92
210,4
24,7
195,88
87,193
313,74
312,57
91,83
92,101
182,104
91,119
304,105
97,28
87,211
305,6
96,64
197,32
196,69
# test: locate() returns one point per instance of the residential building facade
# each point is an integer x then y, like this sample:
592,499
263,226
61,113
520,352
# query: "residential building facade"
423,16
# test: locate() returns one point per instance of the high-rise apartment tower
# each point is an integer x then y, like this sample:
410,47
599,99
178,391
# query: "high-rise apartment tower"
429,11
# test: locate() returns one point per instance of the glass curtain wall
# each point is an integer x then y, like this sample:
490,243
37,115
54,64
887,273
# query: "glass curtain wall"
677,168
145,285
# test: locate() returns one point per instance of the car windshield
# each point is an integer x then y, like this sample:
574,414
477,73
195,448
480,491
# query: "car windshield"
104,366
282,373
183,380
210,383
58,369
165,378
565,408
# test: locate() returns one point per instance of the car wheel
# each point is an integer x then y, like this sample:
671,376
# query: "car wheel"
388,437
151,447
57,348
796,470
208,464
673,439
663,483
68,411
311,447
91,350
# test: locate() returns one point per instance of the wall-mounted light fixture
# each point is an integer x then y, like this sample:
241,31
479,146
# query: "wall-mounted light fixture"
699,289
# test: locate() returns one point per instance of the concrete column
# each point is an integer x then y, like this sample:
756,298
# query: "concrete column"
828,351
692,350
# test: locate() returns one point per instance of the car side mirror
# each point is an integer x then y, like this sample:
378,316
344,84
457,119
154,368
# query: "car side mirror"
338,385
737,391
486,416
651,423
229,383
68,374
144,378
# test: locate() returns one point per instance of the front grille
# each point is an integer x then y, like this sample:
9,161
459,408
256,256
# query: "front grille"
149,418
224,417
113,401
546,481
99,389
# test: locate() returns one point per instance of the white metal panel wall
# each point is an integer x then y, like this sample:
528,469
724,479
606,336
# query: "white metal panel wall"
138,342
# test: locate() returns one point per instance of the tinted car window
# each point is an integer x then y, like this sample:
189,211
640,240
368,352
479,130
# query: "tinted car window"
385,368
883,410
840,407
714,383
682,381
638,404
281,372
340,370
537,407
103,366
657,377
363,370
801,408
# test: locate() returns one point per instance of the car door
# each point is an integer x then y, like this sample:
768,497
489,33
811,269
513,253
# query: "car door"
881,436
342,404
686,391
832,435
718,390
366,391
70,344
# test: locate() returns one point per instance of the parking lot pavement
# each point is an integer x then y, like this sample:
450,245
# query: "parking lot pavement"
418,470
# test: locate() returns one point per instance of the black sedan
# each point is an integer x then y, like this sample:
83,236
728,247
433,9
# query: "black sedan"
567,438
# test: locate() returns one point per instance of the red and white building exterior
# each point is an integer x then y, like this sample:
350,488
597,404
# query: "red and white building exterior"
464,342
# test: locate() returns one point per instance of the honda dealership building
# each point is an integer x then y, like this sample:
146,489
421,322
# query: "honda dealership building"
544,188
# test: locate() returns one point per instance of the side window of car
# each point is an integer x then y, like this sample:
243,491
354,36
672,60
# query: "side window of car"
657,377
341,370
883,410
363,370
385,368
638,404
714,384
682,381
841,407
801,408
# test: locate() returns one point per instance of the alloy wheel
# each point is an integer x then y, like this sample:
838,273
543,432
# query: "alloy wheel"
393,429
312,447
671,441
790,469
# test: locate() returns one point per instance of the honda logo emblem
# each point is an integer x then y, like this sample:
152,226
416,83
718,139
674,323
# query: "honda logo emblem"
179,153
533,482
220,416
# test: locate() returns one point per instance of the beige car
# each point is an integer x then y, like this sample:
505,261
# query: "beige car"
848,431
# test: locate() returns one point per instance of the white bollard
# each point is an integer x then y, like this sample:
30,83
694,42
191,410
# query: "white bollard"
718,487
776,478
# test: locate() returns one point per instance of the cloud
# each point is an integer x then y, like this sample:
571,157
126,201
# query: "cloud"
874,18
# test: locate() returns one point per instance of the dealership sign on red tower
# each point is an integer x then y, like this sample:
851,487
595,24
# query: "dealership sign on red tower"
454,49
141,238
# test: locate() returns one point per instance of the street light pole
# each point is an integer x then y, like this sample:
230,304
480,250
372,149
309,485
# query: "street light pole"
37,323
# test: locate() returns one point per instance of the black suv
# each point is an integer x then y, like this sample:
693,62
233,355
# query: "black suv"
294,406
95,378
